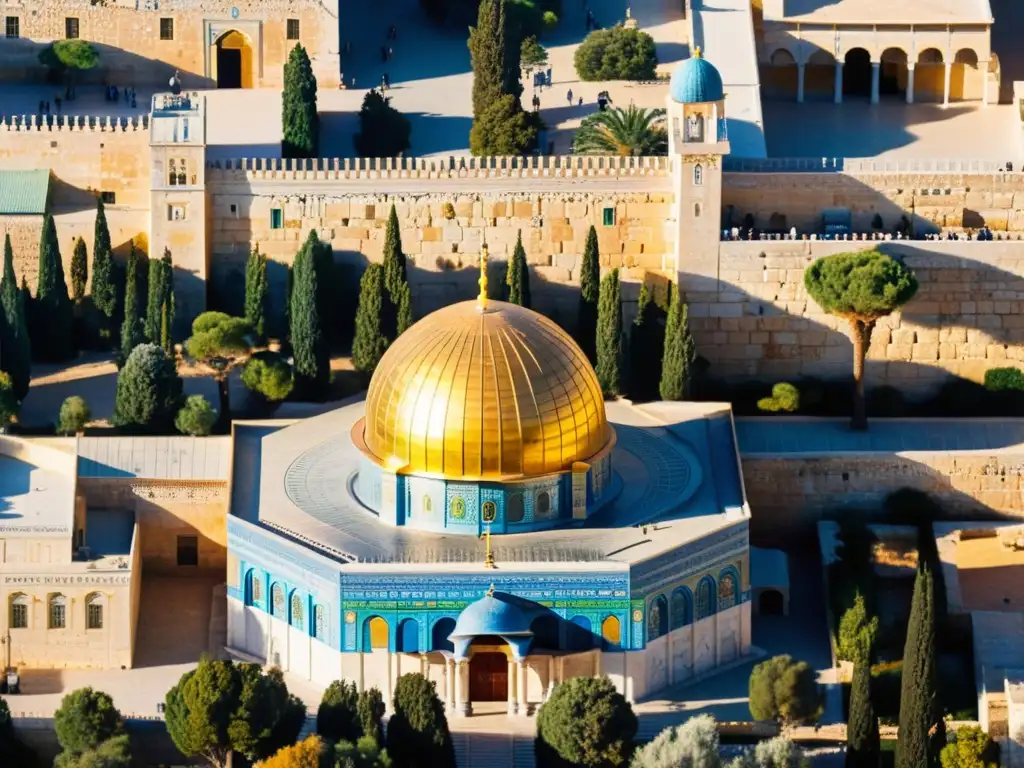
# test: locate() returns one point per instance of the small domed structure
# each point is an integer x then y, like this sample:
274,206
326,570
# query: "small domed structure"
493,614
696,81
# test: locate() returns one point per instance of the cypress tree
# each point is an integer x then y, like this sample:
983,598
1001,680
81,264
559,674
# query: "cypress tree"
862,741
55,314
918,700
301,121
487,55
309,346
327,301
403,317
646,342
517,277
370,341
79,271
609,335
132,330
679,352
15,347
160,302
590,287
396,277
104,287
256,292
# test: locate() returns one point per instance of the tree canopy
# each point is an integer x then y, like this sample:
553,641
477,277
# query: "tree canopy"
585,722
383,130
73,416
160,302
53,319
257,292
630,132
299,116
417,735
133,331
15,346
785,690
269,375
679,351
517,276
918,703
196,417
104,289
9,406
616,53
79,270
970,747
85,719
306,318
371,339
222,342
148,391
532,55
74,54
336,718
609,335
590,290
504,129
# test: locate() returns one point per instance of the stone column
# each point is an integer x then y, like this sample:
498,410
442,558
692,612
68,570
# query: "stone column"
551,678
463,706
449,684
983,66
800,83
522,703
876,67
945,89
513,704
910,83
839,83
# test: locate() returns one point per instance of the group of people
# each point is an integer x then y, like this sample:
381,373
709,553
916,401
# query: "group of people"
387,53
114,94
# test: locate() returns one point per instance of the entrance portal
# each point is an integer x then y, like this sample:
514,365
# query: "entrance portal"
857,73
234,61
488,676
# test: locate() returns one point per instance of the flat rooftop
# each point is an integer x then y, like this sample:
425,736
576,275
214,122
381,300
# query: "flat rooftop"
676,465
883,11
34,502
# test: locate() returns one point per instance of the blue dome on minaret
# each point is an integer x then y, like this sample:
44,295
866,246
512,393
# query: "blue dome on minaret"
696,81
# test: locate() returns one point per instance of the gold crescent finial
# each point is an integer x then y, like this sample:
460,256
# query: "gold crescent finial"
490,592
696,53
481,300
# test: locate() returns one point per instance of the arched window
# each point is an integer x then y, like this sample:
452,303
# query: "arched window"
277,601
257,587
705,598
58,612
319,622
184,128
457,508
172,172
611,631
375,633
489,512
298,611
726,590
408,638
94,611
698,175
439,635
542,506
181,172
682,608
19,610
515,511
657,618
427,507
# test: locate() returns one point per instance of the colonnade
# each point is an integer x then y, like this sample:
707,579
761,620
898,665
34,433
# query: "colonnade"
456,684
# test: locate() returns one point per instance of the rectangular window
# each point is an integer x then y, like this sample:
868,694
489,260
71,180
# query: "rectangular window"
293,29
57,616
94,617
109,198
188,550
13,27
71,28
166,29
276,218
19,616
175,212
609,217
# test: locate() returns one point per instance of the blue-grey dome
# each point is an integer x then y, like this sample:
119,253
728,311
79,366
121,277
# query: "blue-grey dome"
494,614
696,81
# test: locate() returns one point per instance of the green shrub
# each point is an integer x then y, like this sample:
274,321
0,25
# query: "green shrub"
269,375
85,719
616,53
785,398
148,393
586,722
786,691
336,717
549,20
970,747
196,417
74,415
418,730
857,632
8,402
1004,379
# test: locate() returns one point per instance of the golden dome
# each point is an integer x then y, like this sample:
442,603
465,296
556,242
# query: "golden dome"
484,393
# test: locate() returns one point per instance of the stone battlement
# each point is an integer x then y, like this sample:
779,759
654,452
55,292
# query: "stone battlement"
73,124
568,166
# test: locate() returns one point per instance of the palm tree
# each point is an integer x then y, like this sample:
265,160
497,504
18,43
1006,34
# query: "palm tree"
625,132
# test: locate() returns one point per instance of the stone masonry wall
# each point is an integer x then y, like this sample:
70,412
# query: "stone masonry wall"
935,200
967,317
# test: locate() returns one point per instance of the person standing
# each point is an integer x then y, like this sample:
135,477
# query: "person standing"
568,96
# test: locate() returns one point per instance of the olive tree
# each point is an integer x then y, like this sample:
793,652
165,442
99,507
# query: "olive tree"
861,288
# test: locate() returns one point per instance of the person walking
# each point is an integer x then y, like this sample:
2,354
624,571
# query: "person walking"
569,97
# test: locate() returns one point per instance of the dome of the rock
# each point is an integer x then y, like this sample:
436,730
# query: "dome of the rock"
494,393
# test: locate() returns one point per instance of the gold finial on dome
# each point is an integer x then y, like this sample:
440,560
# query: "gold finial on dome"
490,592
697,53
481,300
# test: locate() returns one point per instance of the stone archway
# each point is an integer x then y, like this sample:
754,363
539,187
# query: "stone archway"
232,60
857,73
966,77
893,76
782,75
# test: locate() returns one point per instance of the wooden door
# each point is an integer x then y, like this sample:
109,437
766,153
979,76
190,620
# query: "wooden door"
488,677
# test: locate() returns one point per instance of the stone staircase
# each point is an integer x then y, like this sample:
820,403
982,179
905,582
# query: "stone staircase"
493,750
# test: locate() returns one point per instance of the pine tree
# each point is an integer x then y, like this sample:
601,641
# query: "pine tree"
132,331
104,287
918,700
301,121
396,278
609,335
590,287
257,291
517,276
862,741
15,348
309,345
160,302
79,271
56,341
370,341
679,352
646,342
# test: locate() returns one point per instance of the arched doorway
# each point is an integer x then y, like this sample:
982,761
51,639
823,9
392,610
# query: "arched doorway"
782,75
857,73
770,603
892,79
439,635
929,76
233,60
819,75
488,670
611,633
408,638
966,78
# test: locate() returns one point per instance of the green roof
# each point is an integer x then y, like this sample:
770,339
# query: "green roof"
24,192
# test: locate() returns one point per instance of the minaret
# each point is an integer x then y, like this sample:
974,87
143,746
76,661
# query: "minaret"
697,142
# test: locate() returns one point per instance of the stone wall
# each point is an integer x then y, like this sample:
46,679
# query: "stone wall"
128,38
934,200
965,319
